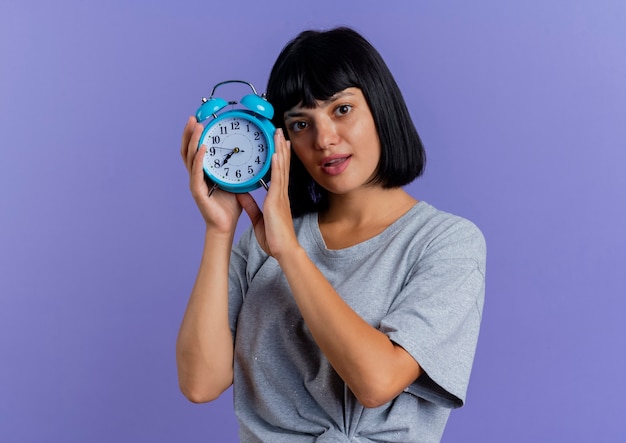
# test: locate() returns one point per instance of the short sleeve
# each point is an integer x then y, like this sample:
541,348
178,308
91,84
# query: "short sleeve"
436,317
245,258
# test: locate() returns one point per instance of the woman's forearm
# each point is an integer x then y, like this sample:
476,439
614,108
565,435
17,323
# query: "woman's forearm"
375,369
204,349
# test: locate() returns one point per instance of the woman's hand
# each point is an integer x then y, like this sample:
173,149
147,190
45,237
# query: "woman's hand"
221,210
274,226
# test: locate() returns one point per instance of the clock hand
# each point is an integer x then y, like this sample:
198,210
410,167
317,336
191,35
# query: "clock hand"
230,154
223,149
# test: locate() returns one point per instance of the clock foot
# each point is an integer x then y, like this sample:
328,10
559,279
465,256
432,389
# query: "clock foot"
212,190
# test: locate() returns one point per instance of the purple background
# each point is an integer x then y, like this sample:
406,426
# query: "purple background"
522,109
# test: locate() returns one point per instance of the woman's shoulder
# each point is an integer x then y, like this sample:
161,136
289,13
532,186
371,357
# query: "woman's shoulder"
439,219
444,230
425,218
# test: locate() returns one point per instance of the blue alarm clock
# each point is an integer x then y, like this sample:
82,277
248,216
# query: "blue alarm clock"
239,142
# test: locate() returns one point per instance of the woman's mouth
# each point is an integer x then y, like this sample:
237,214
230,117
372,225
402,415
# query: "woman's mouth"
335,164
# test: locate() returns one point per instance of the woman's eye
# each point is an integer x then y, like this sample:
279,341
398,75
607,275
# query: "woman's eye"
298,126
343,109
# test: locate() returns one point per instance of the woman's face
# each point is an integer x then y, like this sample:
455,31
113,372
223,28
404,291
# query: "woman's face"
336,141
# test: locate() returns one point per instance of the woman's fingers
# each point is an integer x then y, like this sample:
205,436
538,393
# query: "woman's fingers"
193,143
189,143
187,132
280,162
196,172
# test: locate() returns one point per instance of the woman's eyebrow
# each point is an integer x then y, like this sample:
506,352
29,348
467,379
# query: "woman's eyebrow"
293,114
338,95
298,112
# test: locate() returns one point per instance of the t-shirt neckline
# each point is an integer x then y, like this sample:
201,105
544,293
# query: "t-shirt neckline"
373,242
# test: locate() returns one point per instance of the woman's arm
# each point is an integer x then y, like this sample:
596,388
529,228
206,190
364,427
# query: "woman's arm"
204,349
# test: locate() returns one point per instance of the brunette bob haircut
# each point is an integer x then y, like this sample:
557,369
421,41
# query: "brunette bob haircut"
318,64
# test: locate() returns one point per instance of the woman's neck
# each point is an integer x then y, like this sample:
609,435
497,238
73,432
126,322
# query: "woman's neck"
359,216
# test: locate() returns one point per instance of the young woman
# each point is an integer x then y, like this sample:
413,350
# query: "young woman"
349,312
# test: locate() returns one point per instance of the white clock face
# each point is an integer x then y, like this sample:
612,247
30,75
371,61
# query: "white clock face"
236,150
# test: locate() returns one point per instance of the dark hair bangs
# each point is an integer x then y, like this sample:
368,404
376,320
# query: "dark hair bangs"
310,85
311,74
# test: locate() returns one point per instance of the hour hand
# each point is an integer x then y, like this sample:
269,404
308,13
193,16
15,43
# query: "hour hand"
230,154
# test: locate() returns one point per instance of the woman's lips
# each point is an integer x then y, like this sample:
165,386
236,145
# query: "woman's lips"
335,164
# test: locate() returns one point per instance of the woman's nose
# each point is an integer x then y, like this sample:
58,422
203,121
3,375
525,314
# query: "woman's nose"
325,134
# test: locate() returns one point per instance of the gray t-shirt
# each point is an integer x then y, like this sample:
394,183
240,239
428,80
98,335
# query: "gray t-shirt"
421,282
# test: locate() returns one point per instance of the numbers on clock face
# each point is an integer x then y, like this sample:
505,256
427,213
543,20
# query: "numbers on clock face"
236,150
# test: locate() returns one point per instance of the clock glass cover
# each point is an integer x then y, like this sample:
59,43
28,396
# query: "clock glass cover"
236,150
